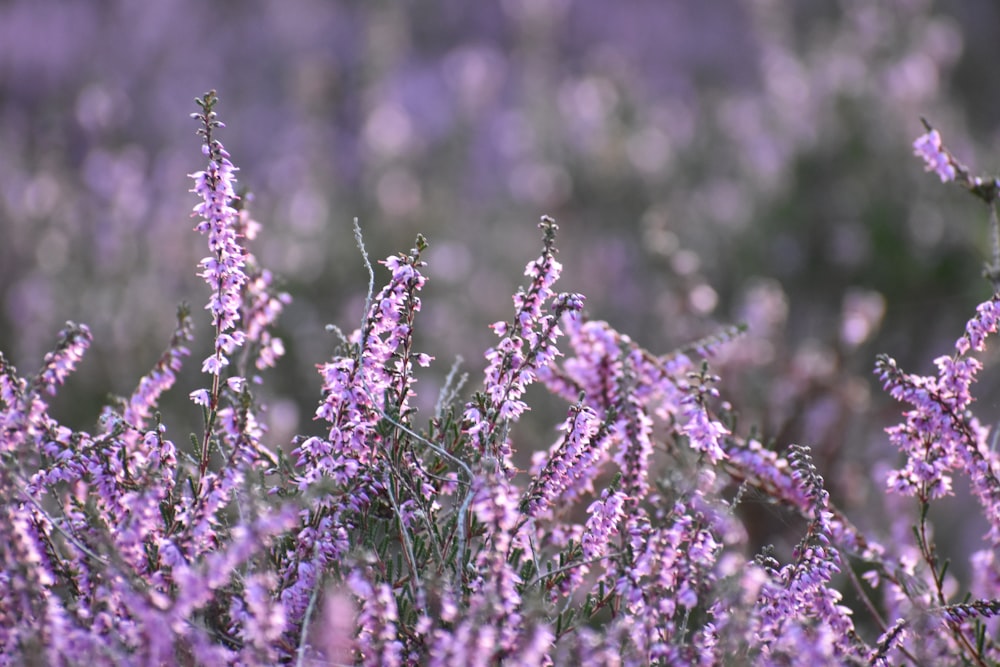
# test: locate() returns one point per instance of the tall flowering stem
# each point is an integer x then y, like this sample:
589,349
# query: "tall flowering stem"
359,462
569,466
527,345
939,436
223,270
785,630
359,388
24,420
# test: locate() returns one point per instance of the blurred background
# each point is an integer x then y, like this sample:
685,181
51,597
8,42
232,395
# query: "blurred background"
708,163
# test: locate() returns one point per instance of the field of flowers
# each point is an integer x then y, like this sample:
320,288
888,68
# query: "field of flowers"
391,539
669,448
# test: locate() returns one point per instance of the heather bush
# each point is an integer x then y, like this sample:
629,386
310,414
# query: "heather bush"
396,537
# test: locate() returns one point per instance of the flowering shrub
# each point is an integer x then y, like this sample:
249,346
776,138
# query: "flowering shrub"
396,539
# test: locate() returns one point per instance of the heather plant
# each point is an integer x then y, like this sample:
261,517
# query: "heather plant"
397,538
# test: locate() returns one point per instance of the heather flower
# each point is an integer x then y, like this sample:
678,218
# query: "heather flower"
335,632
634,431
571,466
939,434
471,643
242,310
799,612
605,362
377,379
890,639
605,516
527,346
704,434
661,578
196,580
320,541
223,270
960,613
985,323
617,377
24,418
360,390
929,147
60,362
263,307
617,380
495,587
146,396
377,636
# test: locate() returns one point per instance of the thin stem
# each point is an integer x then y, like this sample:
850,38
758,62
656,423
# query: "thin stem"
359,239
301,650
993,270
462,526
418,588
570,566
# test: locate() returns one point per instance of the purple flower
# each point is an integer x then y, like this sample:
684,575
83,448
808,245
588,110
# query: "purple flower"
377,640
378,379
74,340
939,434
572,464
929,147
527,347
704,434
220,221
799,612
603,523
146,396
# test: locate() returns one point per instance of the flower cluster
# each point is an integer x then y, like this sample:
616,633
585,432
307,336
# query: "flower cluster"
826,631
929,147
223,269
527,348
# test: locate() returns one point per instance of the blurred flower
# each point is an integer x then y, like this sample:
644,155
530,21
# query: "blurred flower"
929,147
